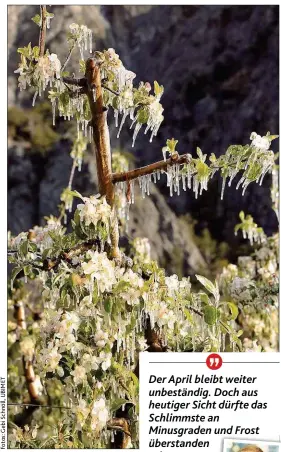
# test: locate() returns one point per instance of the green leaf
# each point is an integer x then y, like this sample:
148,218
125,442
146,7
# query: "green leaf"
108,305
23,248
233,309
135,379
15,272
117,403
242,215
188,315
272,137
158,90
32,247
82,66
199,153
37,19
143,115
209,285
36,52
211,315
45,253
171,144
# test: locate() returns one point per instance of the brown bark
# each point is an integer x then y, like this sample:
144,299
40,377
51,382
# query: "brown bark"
43,27
149,169
102,144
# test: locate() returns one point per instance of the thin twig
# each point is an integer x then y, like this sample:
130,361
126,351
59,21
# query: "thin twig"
195,311
43,27
38,405
72,172
75,81
149,169
69,55
111,90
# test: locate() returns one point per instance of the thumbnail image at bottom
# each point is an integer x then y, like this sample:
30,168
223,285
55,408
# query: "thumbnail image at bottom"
235,446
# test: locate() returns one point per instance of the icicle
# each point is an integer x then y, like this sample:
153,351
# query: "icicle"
90,134
183,182
116,113
240,182
121,125
154,177
195,186
177,178
223,342
148,180
127,213
136,131
34,98
245,185
170,179
48,20
223,187
112,436
193,342
90,41
132,192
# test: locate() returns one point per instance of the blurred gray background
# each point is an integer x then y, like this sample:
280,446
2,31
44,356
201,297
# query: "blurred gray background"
219,66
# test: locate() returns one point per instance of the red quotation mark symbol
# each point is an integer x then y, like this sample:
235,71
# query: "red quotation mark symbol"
214,361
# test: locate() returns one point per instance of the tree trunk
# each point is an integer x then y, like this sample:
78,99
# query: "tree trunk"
102,144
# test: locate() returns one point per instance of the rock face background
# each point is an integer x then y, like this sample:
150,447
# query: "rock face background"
219,66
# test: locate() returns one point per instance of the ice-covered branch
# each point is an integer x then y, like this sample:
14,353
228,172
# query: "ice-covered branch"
149,169
43,27
75,81
69,55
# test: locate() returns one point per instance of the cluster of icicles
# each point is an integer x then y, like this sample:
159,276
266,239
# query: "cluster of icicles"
153,123
244,181
124,80
83,36
83,42
253,235
75,105
175,179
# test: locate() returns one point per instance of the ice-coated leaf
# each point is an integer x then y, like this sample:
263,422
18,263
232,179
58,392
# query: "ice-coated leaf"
208,285
15,272
233,309
211,315
37,19
117,403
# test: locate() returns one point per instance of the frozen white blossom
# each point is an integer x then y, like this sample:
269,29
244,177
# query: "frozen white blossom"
262,143
90,362
105,360
81,411
79,375
94,210
101,338
99,414
100,269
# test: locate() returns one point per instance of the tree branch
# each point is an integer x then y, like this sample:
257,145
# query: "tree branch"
149,169
68,56
75,81
43,27
109,89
